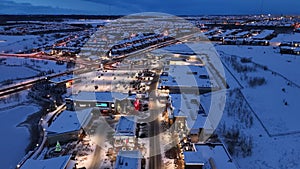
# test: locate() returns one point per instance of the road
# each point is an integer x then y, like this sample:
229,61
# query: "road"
97,158
155,153
154,132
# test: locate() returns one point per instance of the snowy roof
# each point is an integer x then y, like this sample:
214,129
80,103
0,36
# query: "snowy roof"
240,34
287,47
209,154
126,126
263,34
187,76
188,105
69,121
99,96
201,122
297,49
128,160
228,32
52,163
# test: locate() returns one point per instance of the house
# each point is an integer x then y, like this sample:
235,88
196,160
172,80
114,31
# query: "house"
209,155
129,160
287,50
68,126
125,131
260,42
263,35
62,162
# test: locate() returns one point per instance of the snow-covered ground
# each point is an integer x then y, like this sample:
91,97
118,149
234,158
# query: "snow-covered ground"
15,72
13,68
15,139
42,65
287,65
14,44
269,100
275,130
267,152
286,37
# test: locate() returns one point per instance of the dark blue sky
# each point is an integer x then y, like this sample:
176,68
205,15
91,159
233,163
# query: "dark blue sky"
123,7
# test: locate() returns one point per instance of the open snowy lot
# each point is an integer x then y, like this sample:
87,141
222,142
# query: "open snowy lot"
275,100
286,65
271,105
286,37
19,69
15,139
15,72
13,44
266,152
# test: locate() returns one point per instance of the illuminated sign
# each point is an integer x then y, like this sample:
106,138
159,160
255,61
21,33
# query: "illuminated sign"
101,104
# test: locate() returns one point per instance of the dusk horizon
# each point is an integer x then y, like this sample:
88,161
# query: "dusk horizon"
117,7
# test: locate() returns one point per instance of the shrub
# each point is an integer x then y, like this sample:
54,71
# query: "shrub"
257,81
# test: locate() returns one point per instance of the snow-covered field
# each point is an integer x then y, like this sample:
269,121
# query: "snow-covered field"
13,68
14,72
14,139
286,37
13,44
275,129
269,100
41,65
267,152
287,65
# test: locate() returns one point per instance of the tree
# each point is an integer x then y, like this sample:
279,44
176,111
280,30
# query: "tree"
58,147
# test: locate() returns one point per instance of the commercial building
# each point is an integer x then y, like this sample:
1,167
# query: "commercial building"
68,126
104,101
186,78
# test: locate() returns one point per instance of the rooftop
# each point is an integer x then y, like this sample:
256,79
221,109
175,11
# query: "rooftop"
210,155
128,160
69,121
126,126
52,163
264,34
188,105
186,76
100,96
